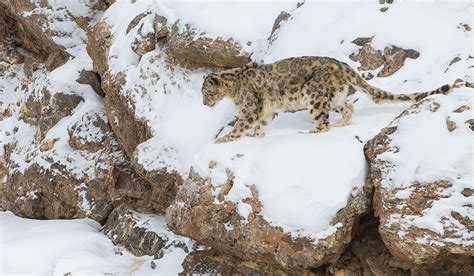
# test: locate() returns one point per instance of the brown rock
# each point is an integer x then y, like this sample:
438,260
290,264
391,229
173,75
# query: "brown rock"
392,58
369,58
211,262
196,213
89,133
470,122
93,79
128,228
405,239
48,109
193,52
37,32
277,24
98,45
130,131
450,124
462,109
361,41
151,191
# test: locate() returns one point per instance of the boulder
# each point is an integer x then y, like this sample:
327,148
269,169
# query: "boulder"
45,109
39,27
208,218
142,234
391,58
59,156
192,49
93,79
214,263
98,45
279,22
423,181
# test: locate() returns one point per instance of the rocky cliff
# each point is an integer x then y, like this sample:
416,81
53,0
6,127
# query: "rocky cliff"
101,116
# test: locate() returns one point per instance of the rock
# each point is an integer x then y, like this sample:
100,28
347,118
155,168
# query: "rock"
145,40
89,132
375,257
412,225
98,45
192,49
38,27
48,109
123,227
164,184
211,262
93,79
369,58
392,58
142,234
130,130
361,41
279,21
59,156
198,213
367,254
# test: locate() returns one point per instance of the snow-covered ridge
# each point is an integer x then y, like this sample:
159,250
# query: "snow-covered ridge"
322,170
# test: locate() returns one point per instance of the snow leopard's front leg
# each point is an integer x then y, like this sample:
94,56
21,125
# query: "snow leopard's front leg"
241,127
249,115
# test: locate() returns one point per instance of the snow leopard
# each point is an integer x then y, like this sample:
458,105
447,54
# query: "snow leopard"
319,84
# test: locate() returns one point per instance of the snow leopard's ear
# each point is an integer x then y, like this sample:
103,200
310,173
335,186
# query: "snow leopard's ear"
213,80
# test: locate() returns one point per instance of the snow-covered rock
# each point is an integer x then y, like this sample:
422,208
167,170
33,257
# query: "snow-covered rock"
210,216
77,247
421,166
58,155
285,203
306,190
143,234
55,30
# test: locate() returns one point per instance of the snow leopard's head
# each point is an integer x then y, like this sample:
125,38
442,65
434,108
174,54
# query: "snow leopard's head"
213,90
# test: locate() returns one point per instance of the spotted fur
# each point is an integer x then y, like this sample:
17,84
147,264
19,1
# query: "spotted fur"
319,84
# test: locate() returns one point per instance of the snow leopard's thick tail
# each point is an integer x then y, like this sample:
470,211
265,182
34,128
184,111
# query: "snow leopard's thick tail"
382,96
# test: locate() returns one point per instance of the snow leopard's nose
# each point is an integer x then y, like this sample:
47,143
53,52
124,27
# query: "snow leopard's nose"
207,103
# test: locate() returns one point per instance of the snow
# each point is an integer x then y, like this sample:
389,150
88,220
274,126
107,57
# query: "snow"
57,247
320,171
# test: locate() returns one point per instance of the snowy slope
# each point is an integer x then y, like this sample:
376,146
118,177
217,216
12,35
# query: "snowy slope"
58,247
